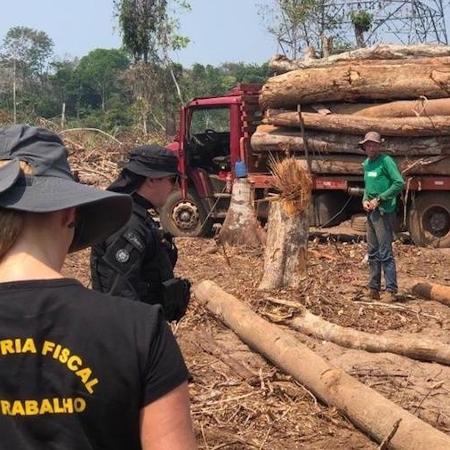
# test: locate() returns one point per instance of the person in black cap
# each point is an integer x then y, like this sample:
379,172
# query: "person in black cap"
137,262
78,369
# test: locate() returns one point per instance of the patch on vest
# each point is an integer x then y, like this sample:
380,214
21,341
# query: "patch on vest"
122,255
134,239
372,174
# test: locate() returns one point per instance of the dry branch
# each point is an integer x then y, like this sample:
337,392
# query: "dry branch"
367,409
411,346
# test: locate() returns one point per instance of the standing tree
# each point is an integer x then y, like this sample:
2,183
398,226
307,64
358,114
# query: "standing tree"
298,25
99,71
149,33
27,52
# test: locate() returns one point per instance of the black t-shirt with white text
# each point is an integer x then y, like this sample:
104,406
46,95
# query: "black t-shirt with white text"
76,366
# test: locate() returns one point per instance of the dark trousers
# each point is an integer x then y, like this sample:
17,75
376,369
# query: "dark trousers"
380,234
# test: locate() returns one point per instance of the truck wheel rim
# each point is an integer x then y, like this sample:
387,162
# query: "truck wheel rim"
186,216
436,221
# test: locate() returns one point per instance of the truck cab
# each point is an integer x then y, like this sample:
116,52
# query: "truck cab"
215,133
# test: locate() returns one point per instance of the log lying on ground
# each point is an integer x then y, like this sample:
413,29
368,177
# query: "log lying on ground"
352,165
367,409
359,82
358,125
400,108
410,346
268,138
281,63
431,291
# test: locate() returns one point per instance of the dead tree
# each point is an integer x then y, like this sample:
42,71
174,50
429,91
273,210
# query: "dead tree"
287,237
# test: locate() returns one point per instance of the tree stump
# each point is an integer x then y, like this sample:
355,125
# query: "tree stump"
241,226
287,238
286,247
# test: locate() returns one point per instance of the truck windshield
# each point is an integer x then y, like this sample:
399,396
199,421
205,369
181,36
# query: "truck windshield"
217,119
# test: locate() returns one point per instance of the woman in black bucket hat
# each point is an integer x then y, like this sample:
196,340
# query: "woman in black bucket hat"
77,370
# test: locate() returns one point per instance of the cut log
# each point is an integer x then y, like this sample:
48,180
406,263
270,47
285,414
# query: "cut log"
241,227
268,138
281,63
352,165
401,108
357,124
431,291
413,347
367,409
371,81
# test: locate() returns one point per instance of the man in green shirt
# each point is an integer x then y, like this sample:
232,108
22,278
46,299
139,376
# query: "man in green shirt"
383,183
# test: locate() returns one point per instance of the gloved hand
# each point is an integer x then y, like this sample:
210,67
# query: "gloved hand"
171,248
176,295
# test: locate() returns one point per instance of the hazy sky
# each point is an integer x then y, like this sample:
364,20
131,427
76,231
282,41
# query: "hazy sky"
220,30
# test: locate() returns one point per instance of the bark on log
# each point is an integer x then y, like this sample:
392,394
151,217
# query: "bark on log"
281,63
411,346
431,291
357,124
241,227
401,108
286,247
268,138
367,409
370,81
352,165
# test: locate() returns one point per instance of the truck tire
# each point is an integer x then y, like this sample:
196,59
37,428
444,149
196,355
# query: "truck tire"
185,217
327,206
429,219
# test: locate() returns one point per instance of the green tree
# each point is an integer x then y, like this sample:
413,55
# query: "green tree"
149,33
99,72
31,49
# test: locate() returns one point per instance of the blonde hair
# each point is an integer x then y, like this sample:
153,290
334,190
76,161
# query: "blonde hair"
11,221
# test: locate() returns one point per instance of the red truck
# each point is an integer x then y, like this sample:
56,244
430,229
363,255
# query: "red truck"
215,132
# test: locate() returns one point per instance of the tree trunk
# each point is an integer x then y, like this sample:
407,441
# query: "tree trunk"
358,124
367,409
268,138
281,64
369,81
241,227
286,247
401,108
410,346
431,291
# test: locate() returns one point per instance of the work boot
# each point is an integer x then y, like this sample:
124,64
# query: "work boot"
391,296
374,294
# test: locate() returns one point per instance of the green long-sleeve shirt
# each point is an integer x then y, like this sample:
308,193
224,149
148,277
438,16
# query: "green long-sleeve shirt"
382,179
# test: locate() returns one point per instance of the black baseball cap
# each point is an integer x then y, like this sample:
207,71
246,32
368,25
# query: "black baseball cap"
51,186
152,161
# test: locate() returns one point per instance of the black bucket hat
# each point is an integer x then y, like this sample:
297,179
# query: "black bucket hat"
51,186
152,161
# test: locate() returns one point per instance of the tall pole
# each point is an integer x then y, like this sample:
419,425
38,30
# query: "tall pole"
14,92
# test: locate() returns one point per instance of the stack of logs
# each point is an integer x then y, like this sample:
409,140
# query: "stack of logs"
320,109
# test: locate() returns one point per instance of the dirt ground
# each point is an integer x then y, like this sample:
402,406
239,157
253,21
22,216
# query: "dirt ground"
240,401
